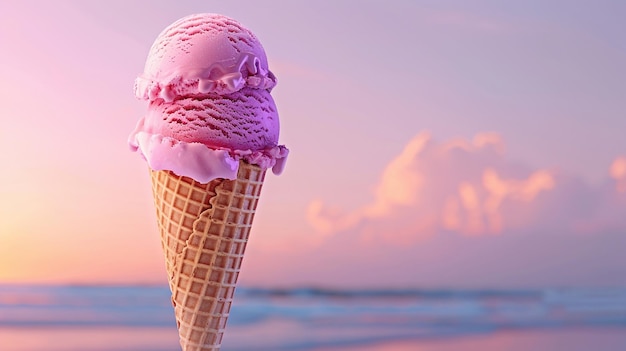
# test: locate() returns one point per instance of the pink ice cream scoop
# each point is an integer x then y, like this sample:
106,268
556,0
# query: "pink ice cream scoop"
208,85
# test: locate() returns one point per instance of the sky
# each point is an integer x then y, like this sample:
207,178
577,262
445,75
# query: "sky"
433,143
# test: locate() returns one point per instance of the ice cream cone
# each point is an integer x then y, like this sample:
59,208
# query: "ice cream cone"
204,230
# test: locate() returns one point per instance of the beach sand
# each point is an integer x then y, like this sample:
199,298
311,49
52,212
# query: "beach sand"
528,340
88,339
165,339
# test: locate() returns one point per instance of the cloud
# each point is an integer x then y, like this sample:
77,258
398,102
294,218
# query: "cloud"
461,213
468,187
606,205
618,173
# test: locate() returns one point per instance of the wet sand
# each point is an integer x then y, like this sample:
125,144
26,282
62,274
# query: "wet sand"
165,339
605,339
88,339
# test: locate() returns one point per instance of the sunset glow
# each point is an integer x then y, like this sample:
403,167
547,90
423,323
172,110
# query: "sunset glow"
425,136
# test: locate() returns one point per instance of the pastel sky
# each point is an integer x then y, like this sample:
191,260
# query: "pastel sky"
433,143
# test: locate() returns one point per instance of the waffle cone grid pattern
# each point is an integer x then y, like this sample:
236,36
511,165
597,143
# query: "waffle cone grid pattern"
204,230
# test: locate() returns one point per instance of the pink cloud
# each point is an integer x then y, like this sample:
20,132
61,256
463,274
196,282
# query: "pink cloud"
618,173
468,187
462,213
606,205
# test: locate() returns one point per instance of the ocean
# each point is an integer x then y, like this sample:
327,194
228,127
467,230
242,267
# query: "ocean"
140,318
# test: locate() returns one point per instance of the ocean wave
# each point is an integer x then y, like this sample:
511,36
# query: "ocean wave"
430,312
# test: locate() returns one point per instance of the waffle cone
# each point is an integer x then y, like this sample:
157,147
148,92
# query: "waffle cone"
204,230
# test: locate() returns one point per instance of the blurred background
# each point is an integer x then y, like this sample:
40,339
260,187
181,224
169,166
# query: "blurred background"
457,178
